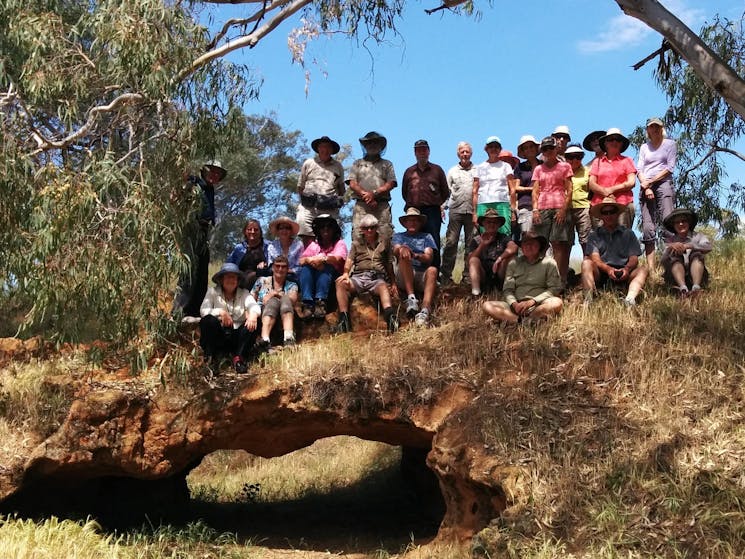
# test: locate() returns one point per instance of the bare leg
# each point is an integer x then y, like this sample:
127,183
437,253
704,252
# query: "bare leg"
649,254
561,255
384,295
679,274
343,289
589,274
638,277
498,312
406,270
267,323
430,286
549,307
476,272
697,271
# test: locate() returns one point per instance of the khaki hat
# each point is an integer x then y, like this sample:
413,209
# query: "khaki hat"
527,139
614,133
529,235
491,213
561,130
607,201
413,212
284,220
215,164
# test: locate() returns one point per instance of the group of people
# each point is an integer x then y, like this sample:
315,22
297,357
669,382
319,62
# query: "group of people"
512,211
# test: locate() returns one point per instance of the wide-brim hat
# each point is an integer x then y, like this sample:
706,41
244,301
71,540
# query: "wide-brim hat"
607,201
574,148
591,137
413,212
281,221
215,164
614,133
325,140
491,213
373,137
669,220
323,219
654,120
562,129
528,235
227,268
506,156
527,139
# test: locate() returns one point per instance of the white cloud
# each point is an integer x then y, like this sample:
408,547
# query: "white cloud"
622,31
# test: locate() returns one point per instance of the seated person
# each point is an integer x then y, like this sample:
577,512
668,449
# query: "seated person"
286,243
229,317
277,296
683,257
489,255
414,250
250,255
321,263
370,258
531,286
613,252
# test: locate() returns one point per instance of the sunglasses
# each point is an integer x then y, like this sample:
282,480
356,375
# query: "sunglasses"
560,136
551,148
611,211
369,227
613,140
578,157
285,227
279,266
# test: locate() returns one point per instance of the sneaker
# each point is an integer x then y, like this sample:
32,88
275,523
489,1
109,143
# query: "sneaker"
630,303
412,306
191,320
422,318
319,312
290,341
262,345
343,326
239,365
393,323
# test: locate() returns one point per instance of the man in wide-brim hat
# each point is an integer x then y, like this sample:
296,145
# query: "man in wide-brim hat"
683,258
613,252
489,254
414,250
320,185
532,284
371,180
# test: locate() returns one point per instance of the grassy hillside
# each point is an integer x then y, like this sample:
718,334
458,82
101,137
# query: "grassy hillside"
626,425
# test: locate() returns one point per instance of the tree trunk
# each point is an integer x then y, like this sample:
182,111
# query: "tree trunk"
705,62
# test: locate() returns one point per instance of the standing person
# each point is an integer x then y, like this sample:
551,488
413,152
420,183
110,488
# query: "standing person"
490,185
414,250
277,296
657,197
192,286
321,184
683,259
321,263
460,184
532,285
229,318
368,269
371,180
614,174
592,143
562,137
521,187
552,203
286,244
250,254
580,194
425,187
613,252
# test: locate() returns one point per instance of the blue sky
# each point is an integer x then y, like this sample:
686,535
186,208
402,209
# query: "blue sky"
521,68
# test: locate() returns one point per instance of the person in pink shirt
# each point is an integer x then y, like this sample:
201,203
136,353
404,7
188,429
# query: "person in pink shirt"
321,263
614,175
552,202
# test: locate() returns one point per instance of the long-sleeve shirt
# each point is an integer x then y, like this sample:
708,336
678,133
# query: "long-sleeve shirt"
460,184
425,187
215,303
538,281
652,161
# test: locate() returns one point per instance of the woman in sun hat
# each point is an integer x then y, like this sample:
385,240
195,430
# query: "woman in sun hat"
285,242
683,257
657,196
490,184
521,187
614,174
229,319
580,193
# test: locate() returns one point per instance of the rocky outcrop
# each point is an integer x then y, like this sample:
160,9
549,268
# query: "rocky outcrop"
143,430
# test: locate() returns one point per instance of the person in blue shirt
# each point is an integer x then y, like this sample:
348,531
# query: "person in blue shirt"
414,251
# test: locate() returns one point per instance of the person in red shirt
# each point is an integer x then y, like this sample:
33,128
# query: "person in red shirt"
614,175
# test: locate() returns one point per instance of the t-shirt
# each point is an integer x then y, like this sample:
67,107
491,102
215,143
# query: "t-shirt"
524,173
610,172
418,243
266,284
339,249
493,250
493,185
581,188
551,191
614,247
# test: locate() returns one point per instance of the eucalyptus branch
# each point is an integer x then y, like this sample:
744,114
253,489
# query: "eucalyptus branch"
249,40
714,149
137,147
124,98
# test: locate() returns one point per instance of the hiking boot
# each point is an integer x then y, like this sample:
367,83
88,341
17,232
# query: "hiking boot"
412,306
422,318
319,312
305,310
344,325
239,365
290,341
262,345
392,322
